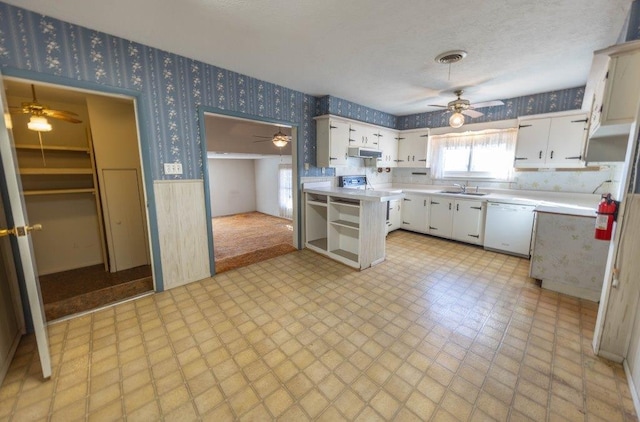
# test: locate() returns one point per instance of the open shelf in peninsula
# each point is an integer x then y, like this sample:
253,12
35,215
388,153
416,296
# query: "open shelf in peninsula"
334,218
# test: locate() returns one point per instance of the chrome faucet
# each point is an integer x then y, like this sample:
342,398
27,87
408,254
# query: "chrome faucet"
462,186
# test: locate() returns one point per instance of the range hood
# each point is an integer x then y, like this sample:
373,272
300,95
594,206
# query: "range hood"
361,152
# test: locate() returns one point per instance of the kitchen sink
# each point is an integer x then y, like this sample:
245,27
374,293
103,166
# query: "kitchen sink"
457,192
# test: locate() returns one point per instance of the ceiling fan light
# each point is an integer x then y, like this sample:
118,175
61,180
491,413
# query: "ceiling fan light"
39,124
456,120
280,141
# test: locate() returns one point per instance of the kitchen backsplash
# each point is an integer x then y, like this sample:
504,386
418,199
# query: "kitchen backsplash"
542,180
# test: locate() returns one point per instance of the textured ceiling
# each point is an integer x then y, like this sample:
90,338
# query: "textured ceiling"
378,53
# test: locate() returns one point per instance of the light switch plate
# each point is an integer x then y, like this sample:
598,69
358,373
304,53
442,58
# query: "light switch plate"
172,168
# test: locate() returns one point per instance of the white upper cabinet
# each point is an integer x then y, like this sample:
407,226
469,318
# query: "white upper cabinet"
556,141
413,148
363,135
332,142
616,96
388,144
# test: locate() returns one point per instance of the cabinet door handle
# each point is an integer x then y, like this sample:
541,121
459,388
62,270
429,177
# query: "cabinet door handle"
520,158
424,136
433,228
457,207
477,236
351,140
332,158
404,222
521,126
408,158
552,155
414,157
407,199
435,203
425,202
540,155
333,127
585,120
425,160
351,129
476,208
579,157
449,206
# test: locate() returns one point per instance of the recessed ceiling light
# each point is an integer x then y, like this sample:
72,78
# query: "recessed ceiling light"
452,56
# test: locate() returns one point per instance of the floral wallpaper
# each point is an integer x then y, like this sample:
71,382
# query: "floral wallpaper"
339,107
171,87
547,102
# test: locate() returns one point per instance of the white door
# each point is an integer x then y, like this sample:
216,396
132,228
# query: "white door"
127,240
21,229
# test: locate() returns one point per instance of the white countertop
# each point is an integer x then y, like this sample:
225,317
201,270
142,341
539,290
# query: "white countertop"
359,194
579,204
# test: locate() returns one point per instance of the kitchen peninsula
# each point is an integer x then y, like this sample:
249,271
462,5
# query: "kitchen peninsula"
347,225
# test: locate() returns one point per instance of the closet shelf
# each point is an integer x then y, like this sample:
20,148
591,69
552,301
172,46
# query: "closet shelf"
57,191
52,148
59,170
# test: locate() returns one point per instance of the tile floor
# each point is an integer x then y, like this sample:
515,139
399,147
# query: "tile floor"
440,331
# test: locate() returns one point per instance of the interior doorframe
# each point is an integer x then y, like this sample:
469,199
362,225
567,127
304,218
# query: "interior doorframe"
296,161
144,142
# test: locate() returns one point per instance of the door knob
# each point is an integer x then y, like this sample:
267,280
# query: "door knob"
20,231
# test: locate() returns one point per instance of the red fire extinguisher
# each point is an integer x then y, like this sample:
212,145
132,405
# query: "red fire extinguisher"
606,215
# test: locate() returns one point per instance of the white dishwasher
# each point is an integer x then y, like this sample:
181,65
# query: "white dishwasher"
508,228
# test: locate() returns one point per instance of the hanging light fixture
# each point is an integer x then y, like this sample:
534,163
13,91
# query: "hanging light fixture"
456,120
280,139
39,124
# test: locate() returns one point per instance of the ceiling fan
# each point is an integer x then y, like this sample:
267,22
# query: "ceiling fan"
279,139
39,113
461,107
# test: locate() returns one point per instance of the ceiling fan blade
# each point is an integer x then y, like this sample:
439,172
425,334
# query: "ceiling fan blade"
264,140
437,105
265,137
472,113
487,104
61,115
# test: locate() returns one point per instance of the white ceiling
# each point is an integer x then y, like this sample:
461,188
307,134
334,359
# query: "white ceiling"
377,53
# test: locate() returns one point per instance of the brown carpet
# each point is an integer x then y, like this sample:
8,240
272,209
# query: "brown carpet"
69,292
242,239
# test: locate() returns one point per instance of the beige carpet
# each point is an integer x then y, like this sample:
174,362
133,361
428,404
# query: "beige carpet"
242,239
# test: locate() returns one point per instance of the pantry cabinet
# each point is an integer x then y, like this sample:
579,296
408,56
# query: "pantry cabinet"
388,145
332,142
556,141
415,213
413,147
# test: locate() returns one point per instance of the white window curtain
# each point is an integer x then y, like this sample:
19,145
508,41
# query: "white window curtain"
285,190
486,154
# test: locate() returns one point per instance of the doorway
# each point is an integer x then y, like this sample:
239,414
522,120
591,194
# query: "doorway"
82,181
251,190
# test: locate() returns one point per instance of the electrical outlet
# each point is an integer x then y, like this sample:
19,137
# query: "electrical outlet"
172,168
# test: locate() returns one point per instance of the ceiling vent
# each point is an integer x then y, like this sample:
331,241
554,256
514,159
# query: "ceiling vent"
449,57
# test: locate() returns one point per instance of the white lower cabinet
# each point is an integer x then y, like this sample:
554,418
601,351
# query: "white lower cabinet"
395,215
468,221
415,213
334,226
458,219
441,216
